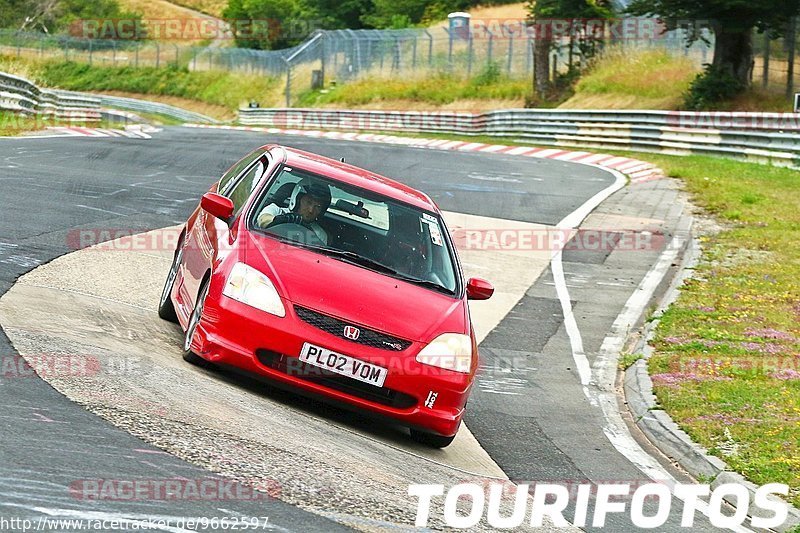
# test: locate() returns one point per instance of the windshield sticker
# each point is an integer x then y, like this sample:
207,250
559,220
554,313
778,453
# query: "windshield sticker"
433,228
429,218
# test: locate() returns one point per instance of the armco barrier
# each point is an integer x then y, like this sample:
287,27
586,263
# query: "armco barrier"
773,137
21,96
144,106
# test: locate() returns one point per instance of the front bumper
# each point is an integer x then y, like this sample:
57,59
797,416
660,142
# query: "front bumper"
416,395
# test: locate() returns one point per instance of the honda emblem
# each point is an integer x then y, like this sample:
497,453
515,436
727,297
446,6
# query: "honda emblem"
351,333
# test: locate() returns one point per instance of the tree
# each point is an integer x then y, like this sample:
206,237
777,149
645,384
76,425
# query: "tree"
572,14
269,24
732,22
51,16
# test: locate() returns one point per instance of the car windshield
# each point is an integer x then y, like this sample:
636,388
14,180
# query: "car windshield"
357,226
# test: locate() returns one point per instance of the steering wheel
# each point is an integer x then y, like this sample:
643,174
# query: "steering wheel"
296,232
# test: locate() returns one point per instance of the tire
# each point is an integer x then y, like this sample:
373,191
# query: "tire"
166,309
431,439
188,355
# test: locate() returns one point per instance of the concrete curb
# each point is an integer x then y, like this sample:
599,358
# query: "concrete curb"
658,426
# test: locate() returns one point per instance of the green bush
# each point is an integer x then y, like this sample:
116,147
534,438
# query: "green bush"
711,87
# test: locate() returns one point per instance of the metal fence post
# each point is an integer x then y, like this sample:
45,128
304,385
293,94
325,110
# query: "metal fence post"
414,54
430,47
791,35
765,66
136,56
449,48
491,45
528,56
177,57
114,53
288,83
90,50
323,58
510,53
469,55
158,54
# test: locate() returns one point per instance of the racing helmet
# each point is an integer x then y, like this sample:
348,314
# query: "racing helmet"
311,187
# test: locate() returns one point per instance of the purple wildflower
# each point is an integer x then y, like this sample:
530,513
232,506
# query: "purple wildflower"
769,333
676,378
785,374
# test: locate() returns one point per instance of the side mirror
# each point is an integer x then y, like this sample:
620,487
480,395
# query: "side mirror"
479,289
217,205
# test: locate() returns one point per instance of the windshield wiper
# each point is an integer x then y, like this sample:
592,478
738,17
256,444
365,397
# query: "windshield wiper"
352,257
376,265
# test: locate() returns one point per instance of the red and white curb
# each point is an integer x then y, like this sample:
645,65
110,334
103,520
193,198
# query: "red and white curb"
636,170
131,132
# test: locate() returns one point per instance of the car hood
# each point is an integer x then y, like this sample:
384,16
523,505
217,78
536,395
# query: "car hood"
355,294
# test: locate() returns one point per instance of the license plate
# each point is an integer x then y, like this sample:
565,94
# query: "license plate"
343,365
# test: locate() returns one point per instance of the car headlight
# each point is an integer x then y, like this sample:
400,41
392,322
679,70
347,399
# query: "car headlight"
249,286
451,351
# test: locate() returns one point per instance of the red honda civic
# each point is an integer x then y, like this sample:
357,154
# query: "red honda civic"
332,281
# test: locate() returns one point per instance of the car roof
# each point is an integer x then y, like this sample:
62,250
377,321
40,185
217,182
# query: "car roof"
356,176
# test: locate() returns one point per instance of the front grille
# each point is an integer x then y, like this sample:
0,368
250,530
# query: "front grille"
367,337
292,366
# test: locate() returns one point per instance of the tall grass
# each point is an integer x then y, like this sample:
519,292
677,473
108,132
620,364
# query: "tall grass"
435,88
635,78
228,89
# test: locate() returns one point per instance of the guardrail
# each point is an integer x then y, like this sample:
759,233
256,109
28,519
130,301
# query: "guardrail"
22,96
773,137
143,106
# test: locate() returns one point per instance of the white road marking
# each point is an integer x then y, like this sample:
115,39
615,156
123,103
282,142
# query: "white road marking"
598,386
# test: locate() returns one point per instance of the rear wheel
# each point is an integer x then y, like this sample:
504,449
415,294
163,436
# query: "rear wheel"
166,309
188,355
431,439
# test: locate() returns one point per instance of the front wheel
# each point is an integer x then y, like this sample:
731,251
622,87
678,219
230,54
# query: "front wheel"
431,439
188,355
166,309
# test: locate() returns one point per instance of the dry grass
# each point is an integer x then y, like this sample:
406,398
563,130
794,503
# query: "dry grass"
465,105
14,67
423,90
623,79
214,111
493,14
209,7
160,10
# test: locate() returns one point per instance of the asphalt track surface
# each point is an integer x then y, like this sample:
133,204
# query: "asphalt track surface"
52,186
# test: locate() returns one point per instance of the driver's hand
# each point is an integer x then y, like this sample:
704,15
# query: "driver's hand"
287,218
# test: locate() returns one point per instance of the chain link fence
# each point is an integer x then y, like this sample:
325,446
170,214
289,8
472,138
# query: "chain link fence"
342,55
777,66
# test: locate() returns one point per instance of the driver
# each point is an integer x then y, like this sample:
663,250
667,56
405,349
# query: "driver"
308,202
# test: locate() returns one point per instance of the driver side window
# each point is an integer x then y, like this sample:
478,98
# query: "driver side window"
227,180
244,187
